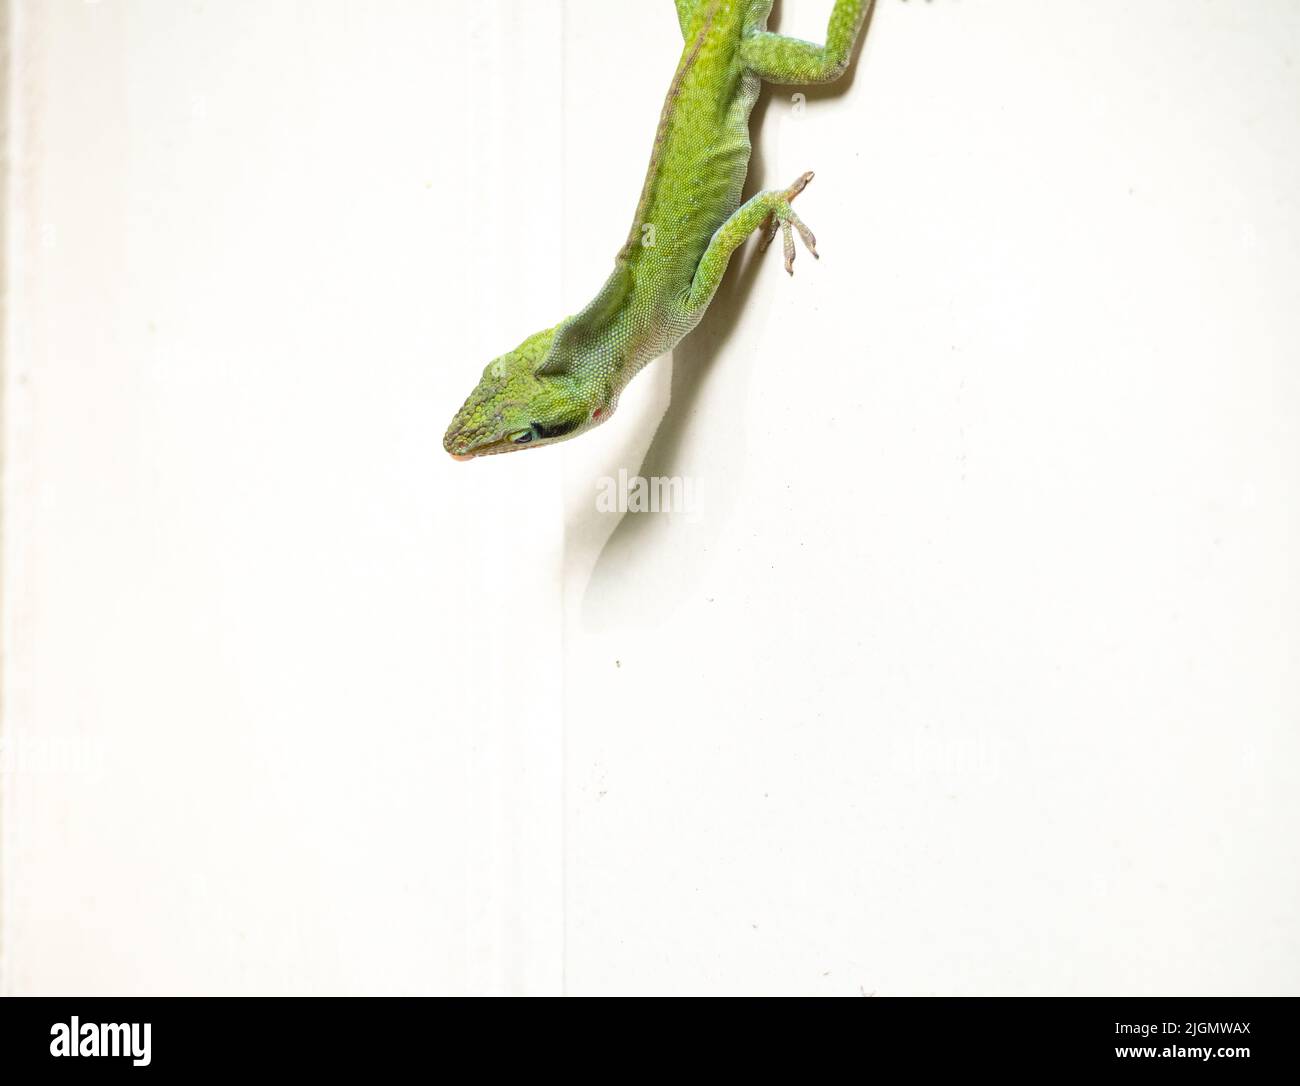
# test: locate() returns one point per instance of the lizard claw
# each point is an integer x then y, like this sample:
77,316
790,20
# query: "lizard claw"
805,235
785,219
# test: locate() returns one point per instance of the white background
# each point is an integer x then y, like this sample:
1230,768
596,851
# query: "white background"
975,672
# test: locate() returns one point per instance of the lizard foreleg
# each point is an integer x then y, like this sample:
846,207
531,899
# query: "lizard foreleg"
766,211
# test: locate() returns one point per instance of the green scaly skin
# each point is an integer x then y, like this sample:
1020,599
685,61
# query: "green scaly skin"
565,380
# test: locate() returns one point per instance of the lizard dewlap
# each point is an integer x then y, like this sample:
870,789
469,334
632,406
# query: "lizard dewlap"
563,381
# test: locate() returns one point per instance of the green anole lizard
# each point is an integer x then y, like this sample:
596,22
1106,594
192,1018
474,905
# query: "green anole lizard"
565,380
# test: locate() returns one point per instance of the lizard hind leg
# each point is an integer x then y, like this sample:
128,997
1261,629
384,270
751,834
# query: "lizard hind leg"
776,220
778,59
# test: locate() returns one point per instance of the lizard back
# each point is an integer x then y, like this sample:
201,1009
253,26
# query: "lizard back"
693,185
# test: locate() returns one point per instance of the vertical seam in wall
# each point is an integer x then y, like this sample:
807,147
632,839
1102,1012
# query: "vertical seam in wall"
20,40
7,112
564,532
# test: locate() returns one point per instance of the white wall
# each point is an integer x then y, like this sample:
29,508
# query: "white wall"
973,673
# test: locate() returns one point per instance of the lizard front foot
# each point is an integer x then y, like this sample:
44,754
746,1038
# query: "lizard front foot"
782,216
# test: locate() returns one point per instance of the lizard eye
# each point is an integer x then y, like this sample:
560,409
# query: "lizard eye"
523,437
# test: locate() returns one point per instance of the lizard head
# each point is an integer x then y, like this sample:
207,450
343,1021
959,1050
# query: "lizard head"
518,405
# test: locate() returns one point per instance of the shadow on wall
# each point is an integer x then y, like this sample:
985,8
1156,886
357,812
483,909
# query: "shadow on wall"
636,545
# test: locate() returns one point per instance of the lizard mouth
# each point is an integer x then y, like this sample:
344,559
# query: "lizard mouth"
462,446
497,448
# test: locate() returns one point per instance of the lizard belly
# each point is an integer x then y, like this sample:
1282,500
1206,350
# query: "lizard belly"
694,183
701,177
